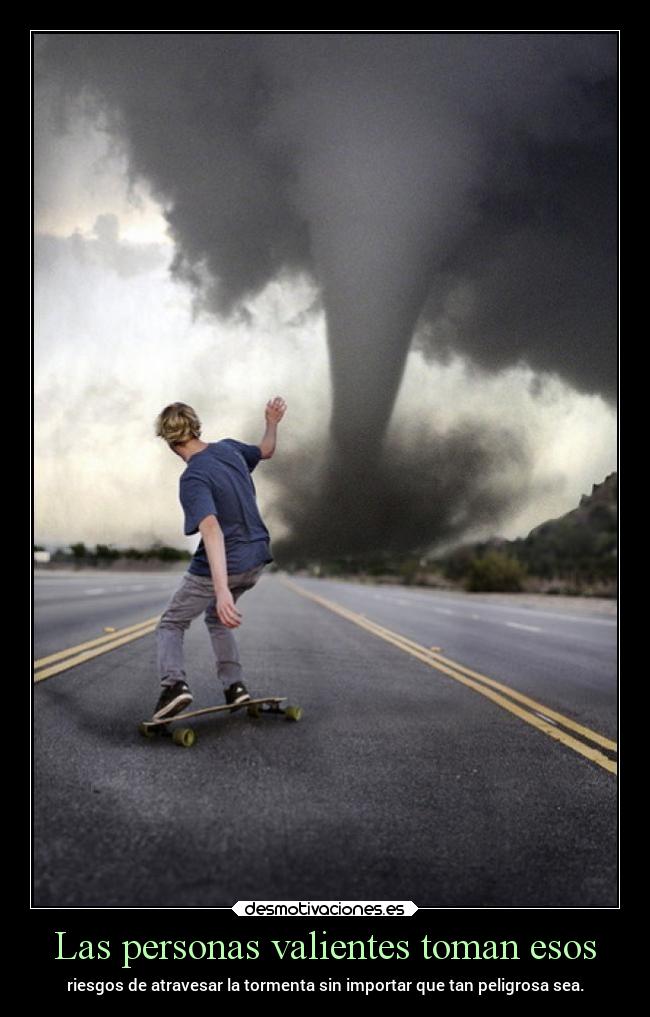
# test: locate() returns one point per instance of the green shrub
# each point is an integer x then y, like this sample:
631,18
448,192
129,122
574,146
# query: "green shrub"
495,572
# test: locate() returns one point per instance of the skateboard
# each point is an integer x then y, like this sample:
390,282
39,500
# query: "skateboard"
186,736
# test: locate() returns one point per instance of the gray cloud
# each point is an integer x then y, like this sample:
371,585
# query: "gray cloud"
462,182
104,248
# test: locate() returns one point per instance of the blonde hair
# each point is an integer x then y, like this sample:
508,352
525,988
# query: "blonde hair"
177,423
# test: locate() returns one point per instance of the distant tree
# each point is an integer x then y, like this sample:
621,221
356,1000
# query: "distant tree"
132,552
456,563
78,550
496,572
171,554
106,552
408,570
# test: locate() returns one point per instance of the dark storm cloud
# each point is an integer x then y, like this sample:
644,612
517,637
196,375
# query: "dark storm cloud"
463,181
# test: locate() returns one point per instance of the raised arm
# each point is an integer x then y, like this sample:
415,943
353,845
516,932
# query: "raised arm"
274,412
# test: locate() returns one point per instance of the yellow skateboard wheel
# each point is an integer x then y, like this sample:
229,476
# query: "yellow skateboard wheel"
293,712
184,736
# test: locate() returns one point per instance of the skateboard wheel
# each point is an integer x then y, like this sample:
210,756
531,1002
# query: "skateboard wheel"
147,732
254,712
293,712
184,736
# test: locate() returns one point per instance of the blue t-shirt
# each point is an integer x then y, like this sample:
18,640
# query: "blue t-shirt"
217,481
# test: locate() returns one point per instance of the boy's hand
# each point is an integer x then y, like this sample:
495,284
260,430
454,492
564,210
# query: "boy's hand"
275,409
227,613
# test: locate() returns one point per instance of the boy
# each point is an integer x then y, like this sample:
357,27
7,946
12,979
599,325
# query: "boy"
219,501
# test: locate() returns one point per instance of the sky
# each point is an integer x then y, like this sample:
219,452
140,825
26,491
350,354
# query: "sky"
412,240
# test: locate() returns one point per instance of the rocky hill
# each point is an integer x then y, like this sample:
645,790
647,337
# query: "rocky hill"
577,550
583,542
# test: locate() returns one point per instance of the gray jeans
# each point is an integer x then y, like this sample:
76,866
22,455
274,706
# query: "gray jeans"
194,596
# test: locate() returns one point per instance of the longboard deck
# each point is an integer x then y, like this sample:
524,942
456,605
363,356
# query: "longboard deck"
223,708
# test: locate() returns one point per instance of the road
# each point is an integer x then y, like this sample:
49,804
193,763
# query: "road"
477,774
70,607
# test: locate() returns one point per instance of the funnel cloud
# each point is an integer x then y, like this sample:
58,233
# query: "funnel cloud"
455,191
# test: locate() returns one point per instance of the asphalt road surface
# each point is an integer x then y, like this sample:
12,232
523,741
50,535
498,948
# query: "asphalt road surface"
479,774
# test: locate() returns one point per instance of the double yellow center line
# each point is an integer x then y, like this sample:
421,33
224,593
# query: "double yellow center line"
64,659
581,739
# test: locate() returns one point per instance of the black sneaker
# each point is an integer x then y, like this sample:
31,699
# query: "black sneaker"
236,694
172,700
